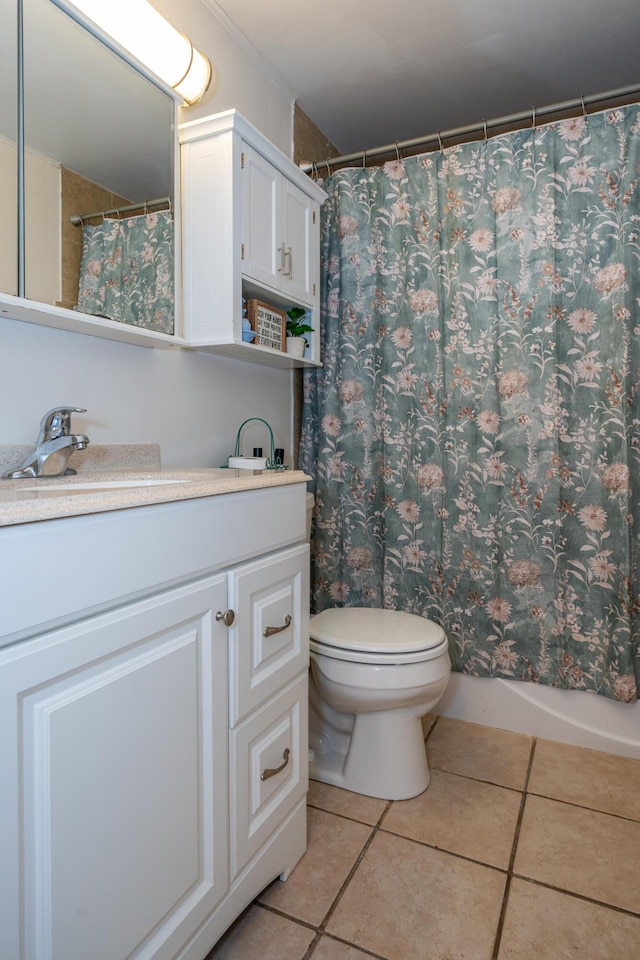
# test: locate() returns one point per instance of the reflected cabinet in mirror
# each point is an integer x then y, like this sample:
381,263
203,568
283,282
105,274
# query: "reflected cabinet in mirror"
98,162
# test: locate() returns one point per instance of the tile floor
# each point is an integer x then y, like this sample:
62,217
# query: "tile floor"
520,849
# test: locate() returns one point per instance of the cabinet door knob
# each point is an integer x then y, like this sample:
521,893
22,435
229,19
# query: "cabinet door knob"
227,617
270,631
283,253
290,255
275,770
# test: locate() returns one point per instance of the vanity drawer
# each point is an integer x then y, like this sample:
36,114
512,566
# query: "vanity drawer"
269,638
268,755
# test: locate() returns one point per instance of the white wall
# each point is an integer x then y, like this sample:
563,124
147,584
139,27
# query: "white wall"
241,79
42,224
42,228
9,220
190,403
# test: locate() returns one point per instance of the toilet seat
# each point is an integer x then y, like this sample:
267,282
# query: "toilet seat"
368,635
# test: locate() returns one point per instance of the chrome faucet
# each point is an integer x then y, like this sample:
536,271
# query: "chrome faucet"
54,446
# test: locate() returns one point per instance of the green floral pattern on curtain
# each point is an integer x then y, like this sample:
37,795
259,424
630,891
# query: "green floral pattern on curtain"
475,432
126,272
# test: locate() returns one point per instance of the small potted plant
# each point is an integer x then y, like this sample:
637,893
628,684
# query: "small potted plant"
296,329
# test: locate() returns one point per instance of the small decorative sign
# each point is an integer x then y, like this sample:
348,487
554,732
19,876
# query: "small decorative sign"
268,323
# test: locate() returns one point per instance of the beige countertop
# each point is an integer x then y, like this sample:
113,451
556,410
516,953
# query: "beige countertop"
27,501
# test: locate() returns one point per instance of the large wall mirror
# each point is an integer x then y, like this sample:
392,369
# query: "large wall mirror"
99,138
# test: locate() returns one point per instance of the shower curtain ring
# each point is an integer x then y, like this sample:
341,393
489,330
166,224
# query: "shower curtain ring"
328,167
440,141
397,151
364,159
584,108
533,117
484,126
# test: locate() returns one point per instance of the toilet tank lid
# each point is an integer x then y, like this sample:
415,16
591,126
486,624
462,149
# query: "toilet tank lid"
375,630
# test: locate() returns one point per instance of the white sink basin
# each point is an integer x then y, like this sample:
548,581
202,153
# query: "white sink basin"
71,487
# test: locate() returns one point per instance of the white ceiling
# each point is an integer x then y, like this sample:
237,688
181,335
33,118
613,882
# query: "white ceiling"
370,72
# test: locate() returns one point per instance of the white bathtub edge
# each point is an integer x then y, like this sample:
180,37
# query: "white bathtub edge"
575,717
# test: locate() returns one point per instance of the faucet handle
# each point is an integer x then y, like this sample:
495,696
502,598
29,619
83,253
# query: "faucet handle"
57,423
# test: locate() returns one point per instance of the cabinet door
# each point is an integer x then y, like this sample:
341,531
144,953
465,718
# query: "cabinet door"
299,216
262,254
113,796
279,227
269,639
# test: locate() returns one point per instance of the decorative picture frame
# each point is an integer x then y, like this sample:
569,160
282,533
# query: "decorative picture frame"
268,323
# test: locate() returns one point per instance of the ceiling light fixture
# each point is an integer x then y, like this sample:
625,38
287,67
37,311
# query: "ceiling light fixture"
140,29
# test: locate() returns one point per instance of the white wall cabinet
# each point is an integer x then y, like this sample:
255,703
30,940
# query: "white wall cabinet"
251,227
148,791
280,232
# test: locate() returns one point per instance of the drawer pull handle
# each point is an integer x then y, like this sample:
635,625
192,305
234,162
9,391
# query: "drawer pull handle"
270,631
275,770
227,617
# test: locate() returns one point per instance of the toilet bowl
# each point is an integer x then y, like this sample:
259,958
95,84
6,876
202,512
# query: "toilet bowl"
374,675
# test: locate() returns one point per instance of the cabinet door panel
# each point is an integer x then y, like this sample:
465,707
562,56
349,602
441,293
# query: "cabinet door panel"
298,232
275,738
263,595
108,727
260,226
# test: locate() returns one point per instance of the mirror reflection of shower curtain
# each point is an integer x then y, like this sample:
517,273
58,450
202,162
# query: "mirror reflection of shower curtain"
126,272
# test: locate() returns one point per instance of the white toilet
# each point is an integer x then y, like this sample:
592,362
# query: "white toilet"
374,675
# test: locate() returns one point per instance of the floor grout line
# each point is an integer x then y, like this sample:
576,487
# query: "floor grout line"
355,866
450,853
279,912
466,776
318,930
346,943
345,816
512,858
582,806
577,896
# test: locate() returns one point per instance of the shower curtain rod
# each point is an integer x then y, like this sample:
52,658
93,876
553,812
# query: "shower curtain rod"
78,219
436,138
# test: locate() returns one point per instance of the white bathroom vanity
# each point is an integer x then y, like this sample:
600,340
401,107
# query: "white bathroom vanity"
153,710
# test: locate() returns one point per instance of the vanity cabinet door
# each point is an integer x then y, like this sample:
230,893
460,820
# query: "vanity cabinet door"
114,759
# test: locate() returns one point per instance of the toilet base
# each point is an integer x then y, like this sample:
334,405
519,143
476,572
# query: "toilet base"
385,756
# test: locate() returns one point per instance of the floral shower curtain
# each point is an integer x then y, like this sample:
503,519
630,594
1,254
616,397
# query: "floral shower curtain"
126,272
474,434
